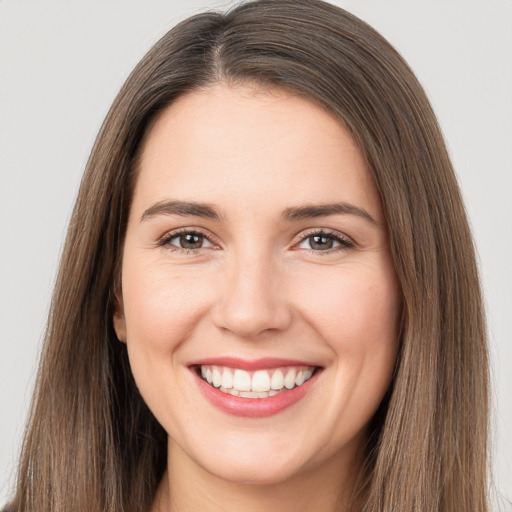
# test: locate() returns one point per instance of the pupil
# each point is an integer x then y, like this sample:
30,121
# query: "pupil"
191,241
321,242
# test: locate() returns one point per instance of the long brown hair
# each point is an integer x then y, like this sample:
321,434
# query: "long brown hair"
91,443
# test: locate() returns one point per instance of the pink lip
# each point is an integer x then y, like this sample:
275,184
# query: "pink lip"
253,407
265,363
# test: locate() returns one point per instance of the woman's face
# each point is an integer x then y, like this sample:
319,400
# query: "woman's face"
256,263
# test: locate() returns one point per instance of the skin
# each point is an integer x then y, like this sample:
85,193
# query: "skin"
256,288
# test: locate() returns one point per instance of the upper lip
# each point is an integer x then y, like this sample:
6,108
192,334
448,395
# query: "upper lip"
251,365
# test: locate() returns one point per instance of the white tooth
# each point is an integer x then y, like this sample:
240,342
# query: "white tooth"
289,380
300,378
203,372
242,380
227,379
224,390
208,376
277,381
216,377
233,392
273,392
307,375
248,394
260,381
262,394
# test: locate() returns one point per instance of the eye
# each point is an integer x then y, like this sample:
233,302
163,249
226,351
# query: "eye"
321,241
188,240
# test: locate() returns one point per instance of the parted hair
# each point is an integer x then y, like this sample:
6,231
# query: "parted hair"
92,444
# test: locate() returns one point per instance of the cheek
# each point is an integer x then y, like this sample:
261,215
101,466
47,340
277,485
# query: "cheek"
357,315
356,310
162,304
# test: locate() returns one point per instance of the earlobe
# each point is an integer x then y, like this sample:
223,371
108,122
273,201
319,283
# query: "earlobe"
119,318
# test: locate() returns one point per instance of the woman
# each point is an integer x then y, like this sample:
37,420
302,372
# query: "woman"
269,212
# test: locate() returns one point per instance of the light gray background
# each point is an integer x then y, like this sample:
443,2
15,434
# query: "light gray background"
61,64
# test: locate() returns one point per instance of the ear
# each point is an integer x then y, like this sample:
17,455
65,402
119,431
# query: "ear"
119,318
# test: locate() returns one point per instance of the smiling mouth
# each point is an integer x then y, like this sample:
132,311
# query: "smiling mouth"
255,384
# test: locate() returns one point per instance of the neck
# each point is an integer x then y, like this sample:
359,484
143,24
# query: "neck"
187,487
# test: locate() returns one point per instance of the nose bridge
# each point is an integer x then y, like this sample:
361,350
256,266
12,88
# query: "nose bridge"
252,298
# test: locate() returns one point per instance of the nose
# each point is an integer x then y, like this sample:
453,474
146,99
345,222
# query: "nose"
252,299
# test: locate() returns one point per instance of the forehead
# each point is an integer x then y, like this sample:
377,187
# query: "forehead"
228,144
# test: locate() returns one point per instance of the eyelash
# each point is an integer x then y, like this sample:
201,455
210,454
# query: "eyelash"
165,241
344,242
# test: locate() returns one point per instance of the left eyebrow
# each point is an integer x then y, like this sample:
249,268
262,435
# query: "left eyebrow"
323,210
183,208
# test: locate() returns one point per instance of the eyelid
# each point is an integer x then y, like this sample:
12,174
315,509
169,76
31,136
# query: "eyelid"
165,239
344,241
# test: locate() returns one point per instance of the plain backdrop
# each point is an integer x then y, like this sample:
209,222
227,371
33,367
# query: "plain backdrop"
61,64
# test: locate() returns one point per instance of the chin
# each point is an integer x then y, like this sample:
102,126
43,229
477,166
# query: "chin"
256,474
255,463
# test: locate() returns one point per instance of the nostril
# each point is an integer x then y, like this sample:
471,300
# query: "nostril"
250,321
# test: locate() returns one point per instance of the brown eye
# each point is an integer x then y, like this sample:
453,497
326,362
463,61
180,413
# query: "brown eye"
325,242
321,242
191,241
187,240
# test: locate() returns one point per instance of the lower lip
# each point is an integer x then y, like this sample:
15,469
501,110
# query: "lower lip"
254,407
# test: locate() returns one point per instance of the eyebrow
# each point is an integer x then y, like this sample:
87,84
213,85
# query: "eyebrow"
208,211
183,208
323,210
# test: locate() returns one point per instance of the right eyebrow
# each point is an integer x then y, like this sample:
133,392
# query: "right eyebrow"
183,208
